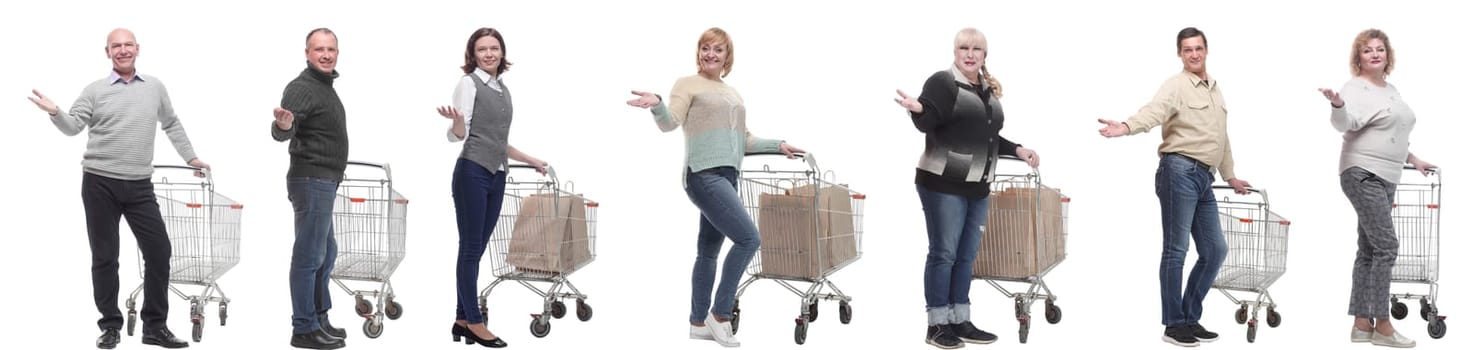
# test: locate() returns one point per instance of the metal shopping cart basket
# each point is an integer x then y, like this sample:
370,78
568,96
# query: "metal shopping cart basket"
1415,214
1258,240
545,234
204,229
369,226
810,228
1023,240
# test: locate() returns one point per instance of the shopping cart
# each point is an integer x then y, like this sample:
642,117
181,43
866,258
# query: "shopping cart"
204,229
1258,240
1415,214
545,234
810,228
369,226
1023,240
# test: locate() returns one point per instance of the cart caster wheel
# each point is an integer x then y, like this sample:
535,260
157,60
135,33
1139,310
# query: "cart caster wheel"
1023,330
1253,329
558,309
1242,315
198,331
222,314
132,320
1436,328
583,311
372,329
801,332
1052,313
394,310
845,312
1425,309
736,317
1274,318
540,327
363,307
813,311
483,311
1399,310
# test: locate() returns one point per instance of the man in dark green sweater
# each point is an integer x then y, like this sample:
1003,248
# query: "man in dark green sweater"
313,118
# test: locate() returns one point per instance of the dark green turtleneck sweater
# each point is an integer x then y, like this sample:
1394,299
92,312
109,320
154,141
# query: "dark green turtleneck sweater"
319,132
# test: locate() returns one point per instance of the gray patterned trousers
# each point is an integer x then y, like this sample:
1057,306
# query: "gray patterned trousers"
1376,241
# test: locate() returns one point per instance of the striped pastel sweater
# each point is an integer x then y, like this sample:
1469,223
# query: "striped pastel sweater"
714,120
120,118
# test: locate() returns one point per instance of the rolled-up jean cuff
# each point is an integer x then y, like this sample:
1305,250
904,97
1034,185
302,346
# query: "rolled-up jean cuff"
961,313
939,316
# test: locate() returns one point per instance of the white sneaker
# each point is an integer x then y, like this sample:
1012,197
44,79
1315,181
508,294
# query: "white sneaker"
1395,340
704,333
721,332
1360,336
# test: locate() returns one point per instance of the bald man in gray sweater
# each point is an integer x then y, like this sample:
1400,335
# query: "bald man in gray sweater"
119,113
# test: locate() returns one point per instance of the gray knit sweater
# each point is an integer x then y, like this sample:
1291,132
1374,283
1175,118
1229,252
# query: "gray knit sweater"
120,118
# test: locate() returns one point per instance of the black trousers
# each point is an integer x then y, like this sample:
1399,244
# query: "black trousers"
106,201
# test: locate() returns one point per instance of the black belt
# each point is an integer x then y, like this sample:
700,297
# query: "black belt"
1194,160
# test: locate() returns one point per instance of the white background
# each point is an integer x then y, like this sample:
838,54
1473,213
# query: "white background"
821,75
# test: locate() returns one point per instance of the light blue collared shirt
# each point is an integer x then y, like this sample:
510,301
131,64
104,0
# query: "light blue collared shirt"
114,78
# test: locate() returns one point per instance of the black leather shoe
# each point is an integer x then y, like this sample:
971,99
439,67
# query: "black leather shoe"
316,340
327,327
457,332
109,339
163,337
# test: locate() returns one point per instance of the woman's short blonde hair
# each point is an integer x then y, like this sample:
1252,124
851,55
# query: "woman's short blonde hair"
716,36
1361,41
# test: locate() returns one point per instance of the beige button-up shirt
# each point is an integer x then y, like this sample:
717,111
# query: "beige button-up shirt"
1194,120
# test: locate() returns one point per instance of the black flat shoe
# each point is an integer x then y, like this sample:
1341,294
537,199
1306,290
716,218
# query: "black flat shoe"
457,332
163,337
109,339
316,340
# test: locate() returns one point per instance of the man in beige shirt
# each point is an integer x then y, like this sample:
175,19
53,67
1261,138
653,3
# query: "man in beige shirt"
1194,120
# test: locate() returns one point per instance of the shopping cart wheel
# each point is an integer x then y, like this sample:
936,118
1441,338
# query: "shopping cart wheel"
559,309
1023,329
222,314
540,327
736,316
1052,313
363,306
132,320
1274,318
393,310
845,312
198,332
372,329
584,311
1253,329
813,311
1242,315
1436,328
800,331
1399,310
1426,310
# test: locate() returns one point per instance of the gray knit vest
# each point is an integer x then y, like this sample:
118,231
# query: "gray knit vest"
491,119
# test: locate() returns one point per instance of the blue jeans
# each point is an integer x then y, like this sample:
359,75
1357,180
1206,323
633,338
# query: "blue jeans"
714,192
478,195
313,252
1185,189
953,230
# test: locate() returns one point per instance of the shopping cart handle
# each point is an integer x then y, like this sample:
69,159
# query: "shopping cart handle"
367,164
1411,167
1227,187
767,153
179,167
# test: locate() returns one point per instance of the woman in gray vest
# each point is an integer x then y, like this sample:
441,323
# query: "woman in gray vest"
481,116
